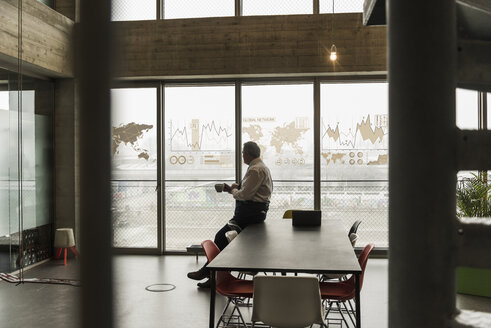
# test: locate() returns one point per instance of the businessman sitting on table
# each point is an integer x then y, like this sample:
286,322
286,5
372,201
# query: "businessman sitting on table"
252,197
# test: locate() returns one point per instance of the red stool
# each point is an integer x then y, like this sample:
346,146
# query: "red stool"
64,239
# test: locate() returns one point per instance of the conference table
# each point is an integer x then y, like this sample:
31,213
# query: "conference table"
277,246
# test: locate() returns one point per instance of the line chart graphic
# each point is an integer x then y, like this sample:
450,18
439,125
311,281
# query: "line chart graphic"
198,136
366,134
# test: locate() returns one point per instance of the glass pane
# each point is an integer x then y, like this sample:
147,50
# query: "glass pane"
130,10
198,8
199,150
277,7
473,194
279,118
368,201
287,195
489,110
200,136
194,212
4,170
134,214
466,106
134,167
354,131
345,6
354,156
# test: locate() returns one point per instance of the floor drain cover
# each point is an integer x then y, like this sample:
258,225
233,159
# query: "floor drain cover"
159,288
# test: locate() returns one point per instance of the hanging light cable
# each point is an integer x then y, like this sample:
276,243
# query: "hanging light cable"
334,51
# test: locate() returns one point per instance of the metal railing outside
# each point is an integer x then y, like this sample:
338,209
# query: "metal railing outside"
134,214
367,201
194,211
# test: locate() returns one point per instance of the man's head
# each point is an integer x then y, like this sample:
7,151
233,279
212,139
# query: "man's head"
250,152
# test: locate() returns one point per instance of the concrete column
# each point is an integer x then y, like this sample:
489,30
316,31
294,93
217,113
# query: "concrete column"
422,153
95,163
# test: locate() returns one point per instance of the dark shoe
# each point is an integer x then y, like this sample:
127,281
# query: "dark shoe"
200,274
204,284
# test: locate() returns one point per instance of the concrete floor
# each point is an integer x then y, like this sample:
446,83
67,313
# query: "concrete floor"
47,306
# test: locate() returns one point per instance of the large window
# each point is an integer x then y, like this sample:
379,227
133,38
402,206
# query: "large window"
354,157
466,106
199,152
199,148
134,172
345,6
131,10
198,8
275,7
279,118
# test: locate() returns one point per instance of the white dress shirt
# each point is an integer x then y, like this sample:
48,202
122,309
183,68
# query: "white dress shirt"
257,184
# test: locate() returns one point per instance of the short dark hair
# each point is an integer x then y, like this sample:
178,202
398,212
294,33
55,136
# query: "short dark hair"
252,149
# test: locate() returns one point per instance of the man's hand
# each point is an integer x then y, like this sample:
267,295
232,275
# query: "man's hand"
228,188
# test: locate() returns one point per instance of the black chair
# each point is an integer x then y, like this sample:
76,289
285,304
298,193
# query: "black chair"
354,227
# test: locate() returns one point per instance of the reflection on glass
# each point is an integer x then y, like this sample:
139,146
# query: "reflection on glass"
466,106
134,167
198,8
200,136
274,7
279,118
131,10
345,6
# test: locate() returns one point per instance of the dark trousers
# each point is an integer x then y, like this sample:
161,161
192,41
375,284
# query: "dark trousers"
220,239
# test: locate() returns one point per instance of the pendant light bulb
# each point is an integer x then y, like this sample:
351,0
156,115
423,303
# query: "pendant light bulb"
334,54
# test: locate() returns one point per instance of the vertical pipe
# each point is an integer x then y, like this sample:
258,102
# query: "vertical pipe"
316,6
95,163
317,144
422,152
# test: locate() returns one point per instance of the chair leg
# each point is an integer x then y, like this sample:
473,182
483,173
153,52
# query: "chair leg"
342,315
349,314
223,313
65,255
74,251
58,253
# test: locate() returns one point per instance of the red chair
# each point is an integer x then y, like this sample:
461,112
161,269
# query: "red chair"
340,293
227,285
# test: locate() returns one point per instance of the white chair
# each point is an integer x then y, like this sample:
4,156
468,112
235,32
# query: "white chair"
64,239
287,302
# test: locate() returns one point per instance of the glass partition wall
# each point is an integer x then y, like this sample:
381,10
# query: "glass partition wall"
26,170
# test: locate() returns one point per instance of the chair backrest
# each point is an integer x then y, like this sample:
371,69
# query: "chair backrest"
287,214
362,260
230,235
211,251
353,237
354,227
287,301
